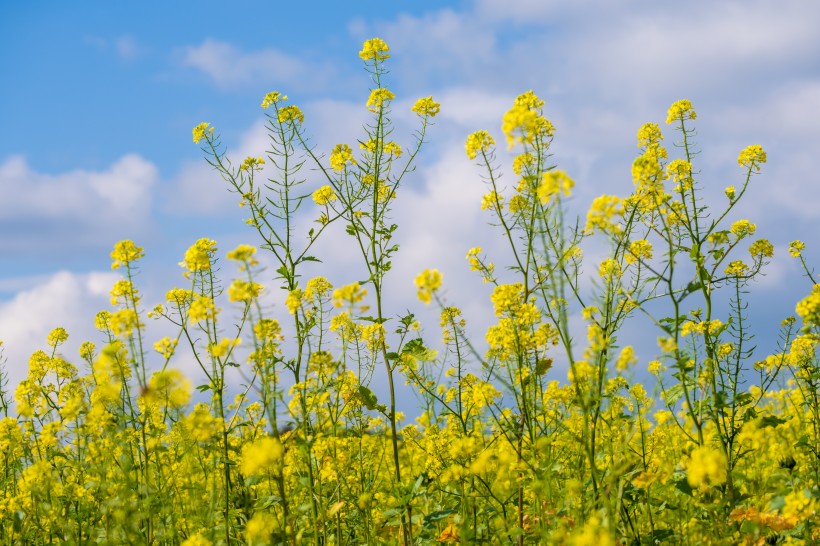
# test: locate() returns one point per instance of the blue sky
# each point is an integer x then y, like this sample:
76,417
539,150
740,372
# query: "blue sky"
98,101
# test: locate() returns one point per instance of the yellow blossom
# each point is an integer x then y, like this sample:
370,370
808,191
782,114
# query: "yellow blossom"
480,141
706,467
324,195
203,130
752,157
379,98
426,107
291,114
680,111
796,248
124,253
198,256
374,49
272,98
340,157
428,281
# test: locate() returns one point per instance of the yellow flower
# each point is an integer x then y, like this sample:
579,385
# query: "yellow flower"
374,49
491,201
426,107
272,98
124,253
124,321
680,111
524,123
706,467
202,308
198,256
374,336
730,192
58,336
752,157
223,347
168,386
391,148
609,269
243,253
292,114
341,156
649,135
378,98
428,282
506,298
639,250
165,347
261,456
626,358
268,329
196,540
324,195
553,183
761,248
736,268
348,295
809,307
203,130
600,216
796,247
743,228
480,141
252,164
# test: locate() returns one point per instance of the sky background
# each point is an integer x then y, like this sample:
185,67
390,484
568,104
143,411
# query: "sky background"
98,101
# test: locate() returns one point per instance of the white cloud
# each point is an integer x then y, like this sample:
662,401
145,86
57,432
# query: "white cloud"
80,203
229,67
64,299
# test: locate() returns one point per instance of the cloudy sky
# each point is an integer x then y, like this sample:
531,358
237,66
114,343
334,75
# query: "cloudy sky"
98,101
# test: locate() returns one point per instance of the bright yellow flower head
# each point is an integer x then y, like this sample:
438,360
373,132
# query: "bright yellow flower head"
480,141
706,467
680,111
291,114
203,130
252,164
649,135
261,456
743,228
340,157
168,386
198,256
379,98
428,282
324,195
796,248
752,157
58,336
272,98
124,253
374,49
426,107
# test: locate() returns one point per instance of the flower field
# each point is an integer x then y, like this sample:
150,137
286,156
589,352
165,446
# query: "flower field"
540,433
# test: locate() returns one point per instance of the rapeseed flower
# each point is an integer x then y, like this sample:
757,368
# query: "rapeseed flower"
426,107
480,141
203,130
374,49
680,111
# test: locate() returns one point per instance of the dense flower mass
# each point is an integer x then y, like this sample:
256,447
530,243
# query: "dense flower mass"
348,423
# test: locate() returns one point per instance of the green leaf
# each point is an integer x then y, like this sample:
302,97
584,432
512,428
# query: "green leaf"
368,398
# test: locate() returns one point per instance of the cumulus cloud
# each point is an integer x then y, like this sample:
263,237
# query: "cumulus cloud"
64,299
79,205
229,67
